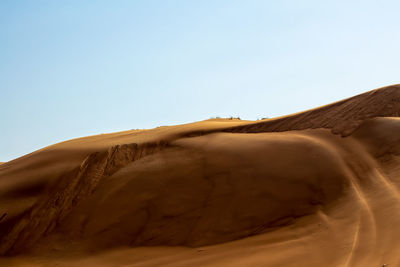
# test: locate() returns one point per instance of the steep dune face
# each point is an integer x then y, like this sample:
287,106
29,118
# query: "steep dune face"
70,189
343,117
272,193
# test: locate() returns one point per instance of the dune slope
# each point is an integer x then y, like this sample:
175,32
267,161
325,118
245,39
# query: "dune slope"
316,188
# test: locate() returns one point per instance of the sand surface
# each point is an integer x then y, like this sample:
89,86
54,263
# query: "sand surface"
316,188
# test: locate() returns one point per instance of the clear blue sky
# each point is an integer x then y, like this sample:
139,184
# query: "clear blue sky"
75,68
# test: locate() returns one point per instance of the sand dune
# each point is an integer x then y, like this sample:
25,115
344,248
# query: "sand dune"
316,188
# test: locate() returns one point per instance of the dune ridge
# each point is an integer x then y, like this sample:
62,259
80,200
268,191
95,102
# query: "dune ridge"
343,117
317,187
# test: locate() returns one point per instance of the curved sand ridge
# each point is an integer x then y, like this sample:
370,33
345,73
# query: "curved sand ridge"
222,195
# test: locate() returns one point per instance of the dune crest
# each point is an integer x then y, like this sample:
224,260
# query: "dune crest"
342,117
319,187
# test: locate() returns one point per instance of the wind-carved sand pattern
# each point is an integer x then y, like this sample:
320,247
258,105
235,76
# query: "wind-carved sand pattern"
72,188
316,188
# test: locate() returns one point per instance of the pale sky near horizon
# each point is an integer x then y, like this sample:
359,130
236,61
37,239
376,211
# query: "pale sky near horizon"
76,68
